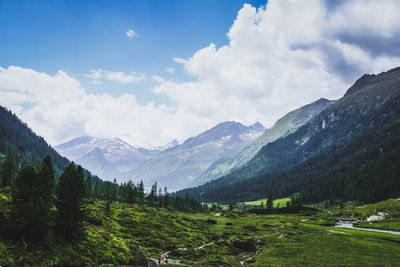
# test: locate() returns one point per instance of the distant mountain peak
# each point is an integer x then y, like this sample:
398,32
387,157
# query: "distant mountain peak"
171,144
257,126
107,157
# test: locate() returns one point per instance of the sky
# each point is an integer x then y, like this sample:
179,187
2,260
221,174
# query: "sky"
153,71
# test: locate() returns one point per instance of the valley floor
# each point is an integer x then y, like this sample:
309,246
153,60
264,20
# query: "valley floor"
134,235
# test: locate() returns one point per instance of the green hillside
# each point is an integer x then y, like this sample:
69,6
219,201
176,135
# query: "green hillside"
135,235
18,138
329,156
283,127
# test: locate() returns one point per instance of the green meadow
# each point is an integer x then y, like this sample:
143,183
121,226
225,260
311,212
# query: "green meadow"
281,202
134,235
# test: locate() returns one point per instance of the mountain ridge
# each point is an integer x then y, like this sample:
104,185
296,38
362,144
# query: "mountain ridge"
181,165
284,126
358,111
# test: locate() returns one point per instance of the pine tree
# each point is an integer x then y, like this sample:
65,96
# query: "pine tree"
70,194
46,188
166,197
32,200
114,190
8,170
141,192
96,190
270,200
89,187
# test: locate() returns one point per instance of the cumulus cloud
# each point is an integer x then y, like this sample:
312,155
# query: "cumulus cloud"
170,70
61,110
278,58
285,55
131,33
121,77
180,60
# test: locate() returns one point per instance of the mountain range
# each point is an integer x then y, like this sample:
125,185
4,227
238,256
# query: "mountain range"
173,165
108,158
180,166
324,148
283,127
203,158
351,150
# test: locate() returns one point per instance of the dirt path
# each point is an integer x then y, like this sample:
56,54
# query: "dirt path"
205,245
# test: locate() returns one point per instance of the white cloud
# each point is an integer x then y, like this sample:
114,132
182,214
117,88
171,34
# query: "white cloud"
286,55
131,33
180,60
278,58
120,77
61,110
170,70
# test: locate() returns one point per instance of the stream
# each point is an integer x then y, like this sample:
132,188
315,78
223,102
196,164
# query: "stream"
350,225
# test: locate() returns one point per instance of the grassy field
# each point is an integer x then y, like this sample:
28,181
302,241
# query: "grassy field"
132,235
281,202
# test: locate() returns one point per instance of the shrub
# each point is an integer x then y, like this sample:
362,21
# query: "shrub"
246,245
211,221
252,228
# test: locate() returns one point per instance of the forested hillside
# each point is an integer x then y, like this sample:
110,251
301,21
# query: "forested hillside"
283,127
16,137
353,141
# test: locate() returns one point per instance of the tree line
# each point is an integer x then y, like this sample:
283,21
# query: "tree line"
366,167
41,203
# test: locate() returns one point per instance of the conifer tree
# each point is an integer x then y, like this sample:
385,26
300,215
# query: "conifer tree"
89,187
70,194
32,200
46,190
141,192
270,200
8,170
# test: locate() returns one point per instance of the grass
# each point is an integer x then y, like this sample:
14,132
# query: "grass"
281,201
131,234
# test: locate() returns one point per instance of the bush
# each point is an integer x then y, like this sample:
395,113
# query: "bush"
211,221
252,228
246,245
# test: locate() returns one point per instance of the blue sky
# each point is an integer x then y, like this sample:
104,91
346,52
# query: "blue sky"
77,36
152,71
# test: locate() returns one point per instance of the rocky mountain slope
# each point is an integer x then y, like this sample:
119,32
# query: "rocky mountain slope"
108,158
368,107
283,127
180,166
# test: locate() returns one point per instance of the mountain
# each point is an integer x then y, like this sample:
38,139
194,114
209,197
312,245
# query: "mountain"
180,166
283,127
353,144
108,158
18,138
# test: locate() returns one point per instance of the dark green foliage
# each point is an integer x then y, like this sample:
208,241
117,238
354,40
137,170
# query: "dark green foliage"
295,200
108,209
89,187
8,170
130,193
365,167
246,245
211,221
351,150
70,194
32,201
270,200
18,138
